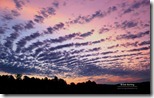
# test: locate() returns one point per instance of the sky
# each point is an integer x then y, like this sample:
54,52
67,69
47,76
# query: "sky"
106,41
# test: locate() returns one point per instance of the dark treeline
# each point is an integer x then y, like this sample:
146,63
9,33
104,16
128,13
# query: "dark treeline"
27,85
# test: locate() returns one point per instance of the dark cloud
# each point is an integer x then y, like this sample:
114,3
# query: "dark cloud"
15,13
94,70
104,57
132,36
44,12
8,43
94,49
66,59
86,34
49,41
79,19
55,4
144,43
140,3
57,40
3,29
67,46
87,55
137,4
51,11
61,46
86,67
58,26
61,39
90,70
96,14
112,60
146,25
117,24
14,68
108,52
39,19
33,36
44,54
21,43
102,14
93,60
10,15
37,51
126,55
19,4
127,10
88,43
127,44
112,9
29,25
50,30
32,46
91,54
113,46
64,38
88,18
7,17
77,51
102,30
52,56
139,49
60,61
128,24
98,41
81,44
3,54
10,39
18,27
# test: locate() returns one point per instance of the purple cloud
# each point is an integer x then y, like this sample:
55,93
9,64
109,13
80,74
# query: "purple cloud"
132,36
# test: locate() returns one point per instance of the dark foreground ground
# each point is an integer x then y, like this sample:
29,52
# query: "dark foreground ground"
59,86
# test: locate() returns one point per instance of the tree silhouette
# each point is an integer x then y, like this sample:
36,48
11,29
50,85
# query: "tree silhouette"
18,76
10,77
72,84
55,78
46,79
26,78
59,86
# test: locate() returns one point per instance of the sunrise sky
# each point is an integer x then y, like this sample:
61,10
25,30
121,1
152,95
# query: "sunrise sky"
106,41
